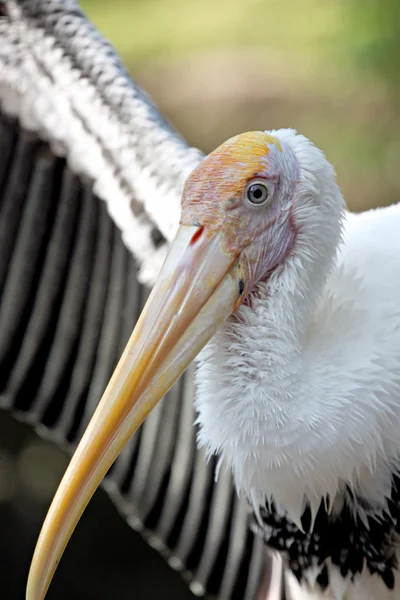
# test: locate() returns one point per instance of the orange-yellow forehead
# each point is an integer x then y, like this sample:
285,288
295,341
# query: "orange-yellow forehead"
217,185
233,163
247,151
252,146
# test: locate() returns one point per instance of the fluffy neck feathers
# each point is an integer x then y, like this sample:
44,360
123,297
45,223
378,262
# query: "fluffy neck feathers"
269,401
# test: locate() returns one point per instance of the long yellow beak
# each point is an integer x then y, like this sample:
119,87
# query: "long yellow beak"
198,288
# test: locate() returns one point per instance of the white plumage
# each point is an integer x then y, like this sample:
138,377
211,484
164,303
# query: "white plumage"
300,390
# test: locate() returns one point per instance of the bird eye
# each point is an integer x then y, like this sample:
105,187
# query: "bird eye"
257,193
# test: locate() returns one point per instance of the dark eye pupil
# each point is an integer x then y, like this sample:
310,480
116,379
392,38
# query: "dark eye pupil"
257,193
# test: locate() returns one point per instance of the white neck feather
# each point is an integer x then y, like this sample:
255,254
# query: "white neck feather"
253,395
269,400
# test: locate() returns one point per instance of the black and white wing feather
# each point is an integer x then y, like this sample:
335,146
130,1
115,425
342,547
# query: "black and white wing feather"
84,158
64,81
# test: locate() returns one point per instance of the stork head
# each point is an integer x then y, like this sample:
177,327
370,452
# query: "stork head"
243,210
262,194
242,194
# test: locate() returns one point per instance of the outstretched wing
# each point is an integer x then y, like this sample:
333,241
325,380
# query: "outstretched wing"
74,128
64,81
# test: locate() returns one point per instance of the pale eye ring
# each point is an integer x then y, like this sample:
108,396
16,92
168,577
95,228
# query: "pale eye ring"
257,193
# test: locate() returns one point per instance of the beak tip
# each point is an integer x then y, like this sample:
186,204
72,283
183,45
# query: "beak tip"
35,590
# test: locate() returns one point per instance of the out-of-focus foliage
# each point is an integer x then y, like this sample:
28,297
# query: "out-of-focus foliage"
375,37
144,29
329,68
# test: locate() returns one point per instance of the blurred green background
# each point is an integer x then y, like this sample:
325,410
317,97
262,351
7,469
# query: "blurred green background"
329,68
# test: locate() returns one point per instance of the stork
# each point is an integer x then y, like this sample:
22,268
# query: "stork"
293,305
297,389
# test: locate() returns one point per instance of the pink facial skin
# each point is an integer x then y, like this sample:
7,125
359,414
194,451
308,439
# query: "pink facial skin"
215,198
